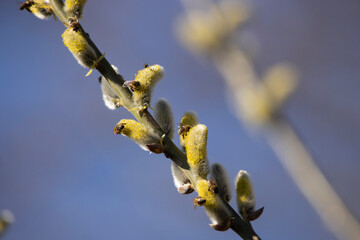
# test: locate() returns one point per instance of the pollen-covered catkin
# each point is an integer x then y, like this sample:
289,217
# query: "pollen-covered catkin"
144,83
78,46
164,117
188,120
219,175
219,215
110,97
137,132
74,8
245,195
196,153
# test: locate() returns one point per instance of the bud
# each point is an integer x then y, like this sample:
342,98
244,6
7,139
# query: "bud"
219,215
144,84
78,46
245,197
40,8
196,153
110,97
219,175
187,121
74,8
164,117
181,181
146,138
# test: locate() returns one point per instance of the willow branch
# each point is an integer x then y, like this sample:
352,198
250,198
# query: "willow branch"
239,226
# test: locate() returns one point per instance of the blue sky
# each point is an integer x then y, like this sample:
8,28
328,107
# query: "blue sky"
65,175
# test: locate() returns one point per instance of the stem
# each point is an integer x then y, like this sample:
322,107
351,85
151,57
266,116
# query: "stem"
242,228
57,7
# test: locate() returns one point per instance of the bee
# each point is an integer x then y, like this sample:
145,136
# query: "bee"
26,5
132,85
199,201
118,128
74,24
183,129
40,8
213,186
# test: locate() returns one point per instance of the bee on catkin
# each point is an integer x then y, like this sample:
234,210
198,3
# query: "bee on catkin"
164,117
110,97
146,138
219,175
245,197
219,215
144,84
188,120
196,153
78,46
40,8
74,8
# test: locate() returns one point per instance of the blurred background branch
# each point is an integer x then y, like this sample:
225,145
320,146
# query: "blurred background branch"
208,28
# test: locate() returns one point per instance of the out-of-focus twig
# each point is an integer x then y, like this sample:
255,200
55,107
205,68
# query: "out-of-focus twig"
260,109
302,168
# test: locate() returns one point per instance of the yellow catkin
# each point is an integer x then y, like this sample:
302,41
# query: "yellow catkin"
134,130
74,41
188,120
204,192
138,133
146,79
196,153
244,191
74,7
82,51
148,75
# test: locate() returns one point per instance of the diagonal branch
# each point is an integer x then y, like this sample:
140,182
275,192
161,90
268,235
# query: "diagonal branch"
238,225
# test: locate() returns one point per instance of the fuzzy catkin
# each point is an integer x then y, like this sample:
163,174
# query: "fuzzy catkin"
196,152
78,46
